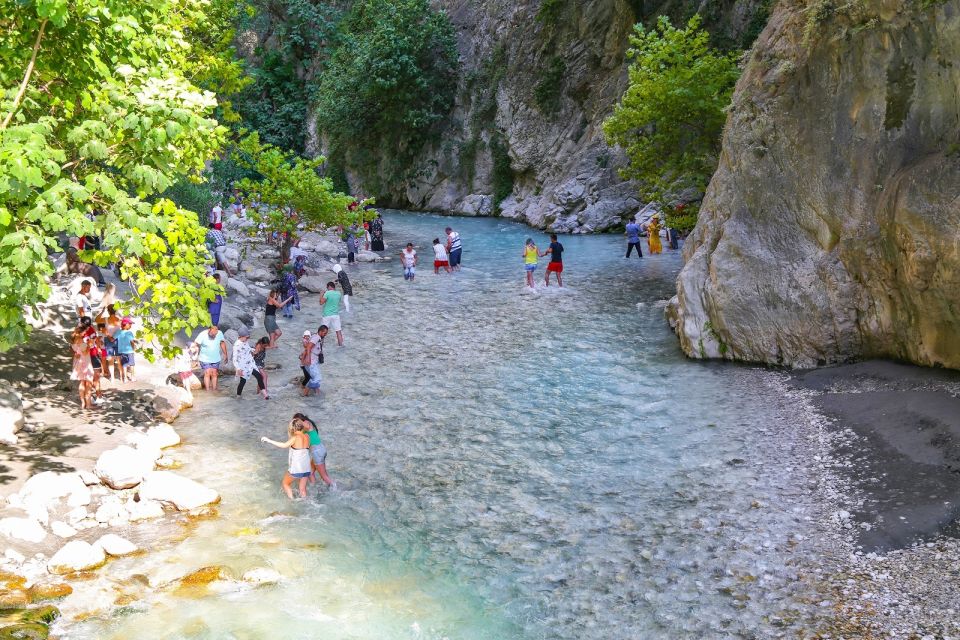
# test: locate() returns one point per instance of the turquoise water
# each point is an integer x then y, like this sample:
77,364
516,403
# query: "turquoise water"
511,464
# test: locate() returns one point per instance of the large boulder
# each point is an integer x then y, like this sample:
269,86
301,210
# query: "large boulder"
238,287
76,555
114,545
167,402
177,491
26,529
368,256
48,487
123,467
11,414
315,284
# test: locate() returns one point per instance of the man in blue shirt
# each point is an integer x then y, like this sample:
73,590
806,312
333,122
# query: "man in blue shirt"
633,238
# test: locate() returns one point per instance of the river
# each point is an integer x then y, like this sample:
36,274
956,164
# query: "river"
510,464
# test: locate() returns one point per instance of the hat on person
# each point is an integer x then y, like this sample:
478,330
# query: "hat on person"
337,268
306,333
243,332
126,320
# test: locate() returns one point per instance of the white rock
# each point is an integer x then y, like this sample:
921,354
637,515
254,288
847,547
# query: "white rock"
314,284
144,510
76,515
236,286
163,436
367,256
76,555
166,462
262,575
123,467
231,335
26,529
39,513
46,488
167,402
172,489
111,511
231,254
324,247
11,414
14,556
114,545
89,478
62,529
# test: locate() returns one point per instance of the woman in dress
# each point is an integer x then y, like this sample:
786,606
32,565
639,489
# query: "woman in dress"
270,316
298,465
82,367
376,234
653,235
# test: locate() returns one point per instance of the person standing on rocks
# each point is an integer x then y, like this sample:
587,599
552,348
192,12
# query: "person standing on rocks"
270,316
213,350
126,344
216,217
330,299
633,238
454,248
376,233
245,365
217,243
81,301
345,286
82,370
555,251
216,305
351,245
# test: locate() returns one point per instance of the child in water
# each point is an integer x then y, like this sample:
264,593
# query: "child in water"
530,255
440,258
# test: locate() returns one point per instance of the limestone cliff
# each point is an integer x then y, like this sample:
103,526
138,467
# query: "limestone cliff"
538,79
831,230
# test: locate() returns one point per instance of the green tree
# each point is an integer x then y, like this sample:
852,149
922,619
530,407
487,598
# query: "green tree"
671,118
96,118
390,80
293,196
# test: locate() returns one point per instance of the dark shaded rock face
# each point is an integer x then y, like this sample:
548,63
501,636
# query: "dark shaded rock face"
831,230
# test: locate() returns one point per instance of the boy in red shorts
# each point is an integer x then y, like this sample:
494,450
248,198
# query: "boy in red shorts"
440,257
556,260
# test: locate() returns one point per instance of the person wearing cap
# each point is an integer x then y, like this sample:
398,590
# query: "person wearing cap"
126,343
213,350
345,286
243,361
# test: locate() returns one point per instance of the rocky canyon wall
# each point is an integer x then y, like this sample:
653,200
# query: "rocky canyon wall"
831,230
538,78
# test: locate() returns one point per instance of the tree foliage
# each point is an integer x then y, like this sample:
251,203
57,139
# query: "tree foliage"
96,118
293,196
671,118
389,81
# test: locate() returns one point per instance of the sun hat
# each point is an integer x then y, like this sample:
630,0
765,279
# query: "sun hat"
243,332
337,268
306,333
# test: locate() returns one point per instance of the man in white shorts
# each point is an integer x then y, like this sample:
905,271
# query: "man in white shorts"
330,299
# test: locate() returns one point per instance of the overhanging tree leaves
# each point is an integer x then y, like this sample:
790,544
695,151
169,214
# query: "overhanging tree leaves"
671,118
293,196
96,118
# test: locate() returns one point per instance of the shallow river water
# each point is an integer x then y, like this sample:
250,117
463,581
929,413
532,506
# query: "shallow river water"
510,465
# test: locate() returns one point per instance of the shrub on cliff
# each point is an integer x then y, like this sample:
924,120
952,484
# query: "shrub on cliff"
390,80
671,117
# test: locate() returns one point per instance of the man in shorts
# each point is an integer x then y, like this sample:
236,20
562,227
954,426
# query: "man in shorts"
556,260
454,248
213,350
315,351
330,299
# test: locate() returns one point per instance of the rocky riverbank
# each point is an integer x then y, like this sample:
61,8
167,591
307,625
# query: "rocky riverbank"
83,487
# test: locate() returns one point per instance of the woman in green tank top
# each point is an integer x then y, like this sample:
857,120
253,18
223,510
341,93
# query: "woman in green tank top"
318,452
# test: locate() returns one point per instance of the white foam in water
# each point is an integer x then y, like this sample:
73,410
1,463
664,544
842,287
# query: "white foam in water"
512,467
